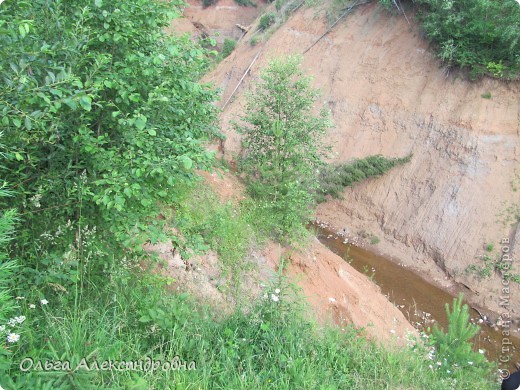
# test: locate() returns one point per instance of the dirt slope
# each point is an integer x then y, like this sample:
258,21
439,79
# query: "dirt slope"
339,293
389,95
218,21
336,292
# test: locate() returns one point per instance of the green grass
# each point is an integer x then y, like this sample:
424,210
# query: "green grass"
111,307
272,345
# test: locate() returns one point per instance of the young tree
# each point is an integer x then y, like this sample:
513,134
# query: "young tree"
455,347
282,143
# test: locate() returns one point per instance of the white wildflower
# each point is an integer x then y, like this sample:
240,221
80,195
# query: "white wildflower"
20,319
470,363
44,301
392,331
12,322
277,291
275,298
481,351
19,298
2,328
32,306
439,363
35,200
13,337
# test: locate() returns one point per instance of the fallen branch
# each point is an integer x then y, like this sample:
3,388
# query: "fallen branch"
357,3
242,79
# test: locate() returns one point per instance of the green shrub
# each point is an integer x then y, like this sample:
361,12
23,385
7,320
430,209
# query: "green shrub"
207,3
479,35
374,240
246,3
228,47
486,95
267,20
110,107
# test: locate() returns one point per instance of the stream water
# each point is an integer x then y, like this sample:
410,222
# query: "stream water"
421,302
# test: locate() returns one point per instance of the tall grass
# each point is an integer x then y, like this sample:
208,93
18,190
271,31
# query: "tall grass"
109,310
272,345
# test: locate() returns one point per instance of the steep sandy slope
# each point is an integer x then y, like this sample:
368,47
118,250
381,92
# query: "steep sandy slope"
389,95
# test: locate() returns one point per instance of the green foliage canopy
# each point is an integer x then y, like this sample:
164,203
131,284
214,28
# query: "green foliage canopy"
100,109
482,36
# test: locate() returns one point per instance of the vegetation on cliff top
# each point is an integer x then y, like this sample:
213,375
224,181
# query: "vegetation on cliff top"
480,36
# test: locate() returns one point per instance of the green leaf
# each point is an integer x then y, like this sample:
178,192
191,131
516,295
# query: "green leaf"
140,122
28,122
71,103
86,102
18,156
187,162
17,122
152,132
98,3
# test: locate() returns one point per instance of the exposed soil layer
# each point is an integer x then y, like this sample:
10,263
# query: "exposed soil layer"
336,291
224,19
390,96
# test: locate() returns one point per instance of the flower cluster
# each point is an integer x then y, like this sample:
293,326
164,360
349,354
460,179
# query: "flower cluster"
11,336
275,297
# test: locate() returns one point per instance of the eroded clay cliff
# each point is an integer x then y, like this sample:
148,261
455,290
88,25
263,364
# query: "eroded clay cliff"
389,95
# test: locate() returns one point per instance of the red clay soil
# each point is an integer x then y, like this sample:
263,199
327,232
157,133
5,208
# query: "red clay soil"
339,293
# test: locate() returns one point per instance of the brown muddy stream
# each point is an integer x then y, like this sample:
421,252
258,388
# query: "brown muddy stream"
421,302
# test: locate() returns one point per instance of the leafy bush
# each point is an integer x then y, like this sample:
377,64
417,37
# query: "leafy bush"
266,20
334,178
479,35
282,143
229,46
102,111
